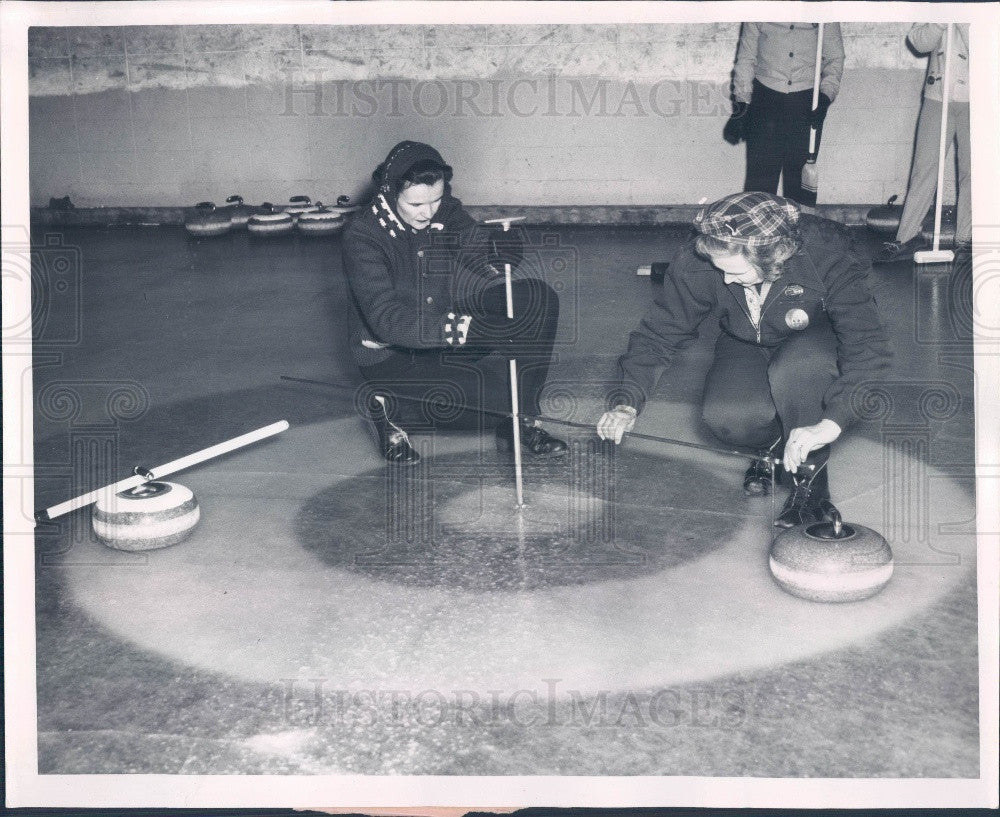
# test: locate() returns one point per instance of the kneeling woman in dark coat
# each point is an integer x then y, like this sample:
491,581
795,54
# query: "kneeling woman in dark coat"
800,333
429,313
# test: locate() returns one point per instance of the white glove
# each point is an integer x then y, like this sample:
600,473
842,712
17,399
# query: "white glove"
614,424
457,329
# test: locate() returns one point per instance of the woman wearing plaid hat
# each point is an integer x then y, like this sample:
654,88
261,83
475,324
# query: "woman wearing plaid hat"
429,322
800,333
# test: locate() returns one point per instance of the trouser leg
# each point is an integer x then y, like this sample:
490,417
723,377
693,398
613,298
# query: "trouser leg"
432,389
923,172
959,112
799,374
449,388
737,404
763,141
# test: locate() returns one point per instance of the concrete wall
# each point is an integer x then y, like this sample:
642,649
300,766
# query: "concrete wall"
614,114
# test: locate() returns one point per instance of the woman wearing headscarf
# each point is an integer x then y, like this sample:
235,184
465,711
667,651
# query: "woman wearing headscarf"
428,319
800,335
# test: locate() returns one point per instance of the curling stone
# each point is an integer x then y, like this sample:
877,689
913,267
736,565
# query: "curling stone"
270,222
297,205
149,516
947,227
239,213
324,221
207,221
343,206
884,219
831,561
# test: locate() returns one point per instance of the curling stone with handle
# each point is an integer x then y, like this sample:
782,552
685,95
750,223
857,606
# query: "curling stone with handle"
297,205
270,222
884,219
152,515
206,221
831,561
239,212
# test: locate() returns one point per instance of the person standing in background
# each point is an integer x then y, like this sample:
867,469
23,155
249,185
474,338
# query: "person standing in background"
772,99
930,37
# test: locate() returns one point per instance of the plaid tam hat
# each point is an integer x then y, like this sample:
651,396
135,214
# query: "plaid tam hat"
752,219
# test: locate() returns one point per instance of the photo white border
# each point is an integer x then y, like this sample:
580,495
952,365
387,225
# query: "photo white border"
25,787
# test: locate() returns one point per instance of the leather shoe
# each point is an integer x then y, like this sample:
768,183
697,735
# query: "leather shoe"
393,442
809,500
757,479
534,439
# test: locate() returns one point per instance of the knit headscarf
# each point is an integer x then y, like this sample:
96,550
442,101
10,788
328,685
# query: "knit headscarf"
387,175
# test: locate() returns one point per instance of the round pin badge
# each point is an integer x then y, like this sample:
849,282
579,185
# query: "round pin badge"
797,318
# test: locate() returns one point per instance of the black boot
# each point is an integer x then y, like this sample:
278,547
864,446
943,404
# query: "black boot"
393,442
757,479
809,500
534,439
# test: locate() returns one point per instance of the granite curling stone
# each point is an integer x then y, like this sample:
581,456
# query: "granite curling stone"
831,561
324,221
150,516
270,222
206,221
884,219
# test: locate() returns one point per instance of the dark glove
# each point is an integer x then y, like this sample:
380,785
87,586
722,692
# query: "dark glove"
817,116
736,127
504,247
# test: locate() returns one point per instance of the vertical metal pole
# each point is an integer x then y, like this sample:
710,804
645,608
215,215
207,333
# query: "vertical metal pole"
514,402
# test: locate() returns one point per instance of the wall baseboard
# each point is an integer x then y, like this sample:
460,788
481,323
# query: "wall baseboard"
614,215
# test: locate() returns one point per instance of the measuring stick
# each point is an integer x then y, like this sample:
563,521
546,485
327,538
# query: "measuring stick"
163,470
763,455
515,408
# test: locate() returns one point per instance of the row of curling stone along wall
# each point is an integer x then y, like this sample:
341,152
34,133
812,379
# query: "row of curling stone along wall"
528,115
309,218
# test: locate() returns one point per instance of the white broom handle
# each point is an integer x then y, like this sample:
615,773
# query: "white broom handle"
816,76
168,468
943,146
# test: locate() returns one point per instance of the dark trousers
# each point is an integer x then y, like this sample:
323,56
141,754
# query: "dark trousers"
448,387
755,394
778,140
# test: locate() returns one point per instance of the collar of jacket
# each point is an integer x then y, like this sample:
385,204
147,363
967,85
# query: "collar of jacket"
800,270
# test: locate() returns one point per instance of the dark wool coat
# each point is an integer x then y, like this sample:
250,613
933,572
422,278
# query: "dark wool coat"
403,286
827,275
